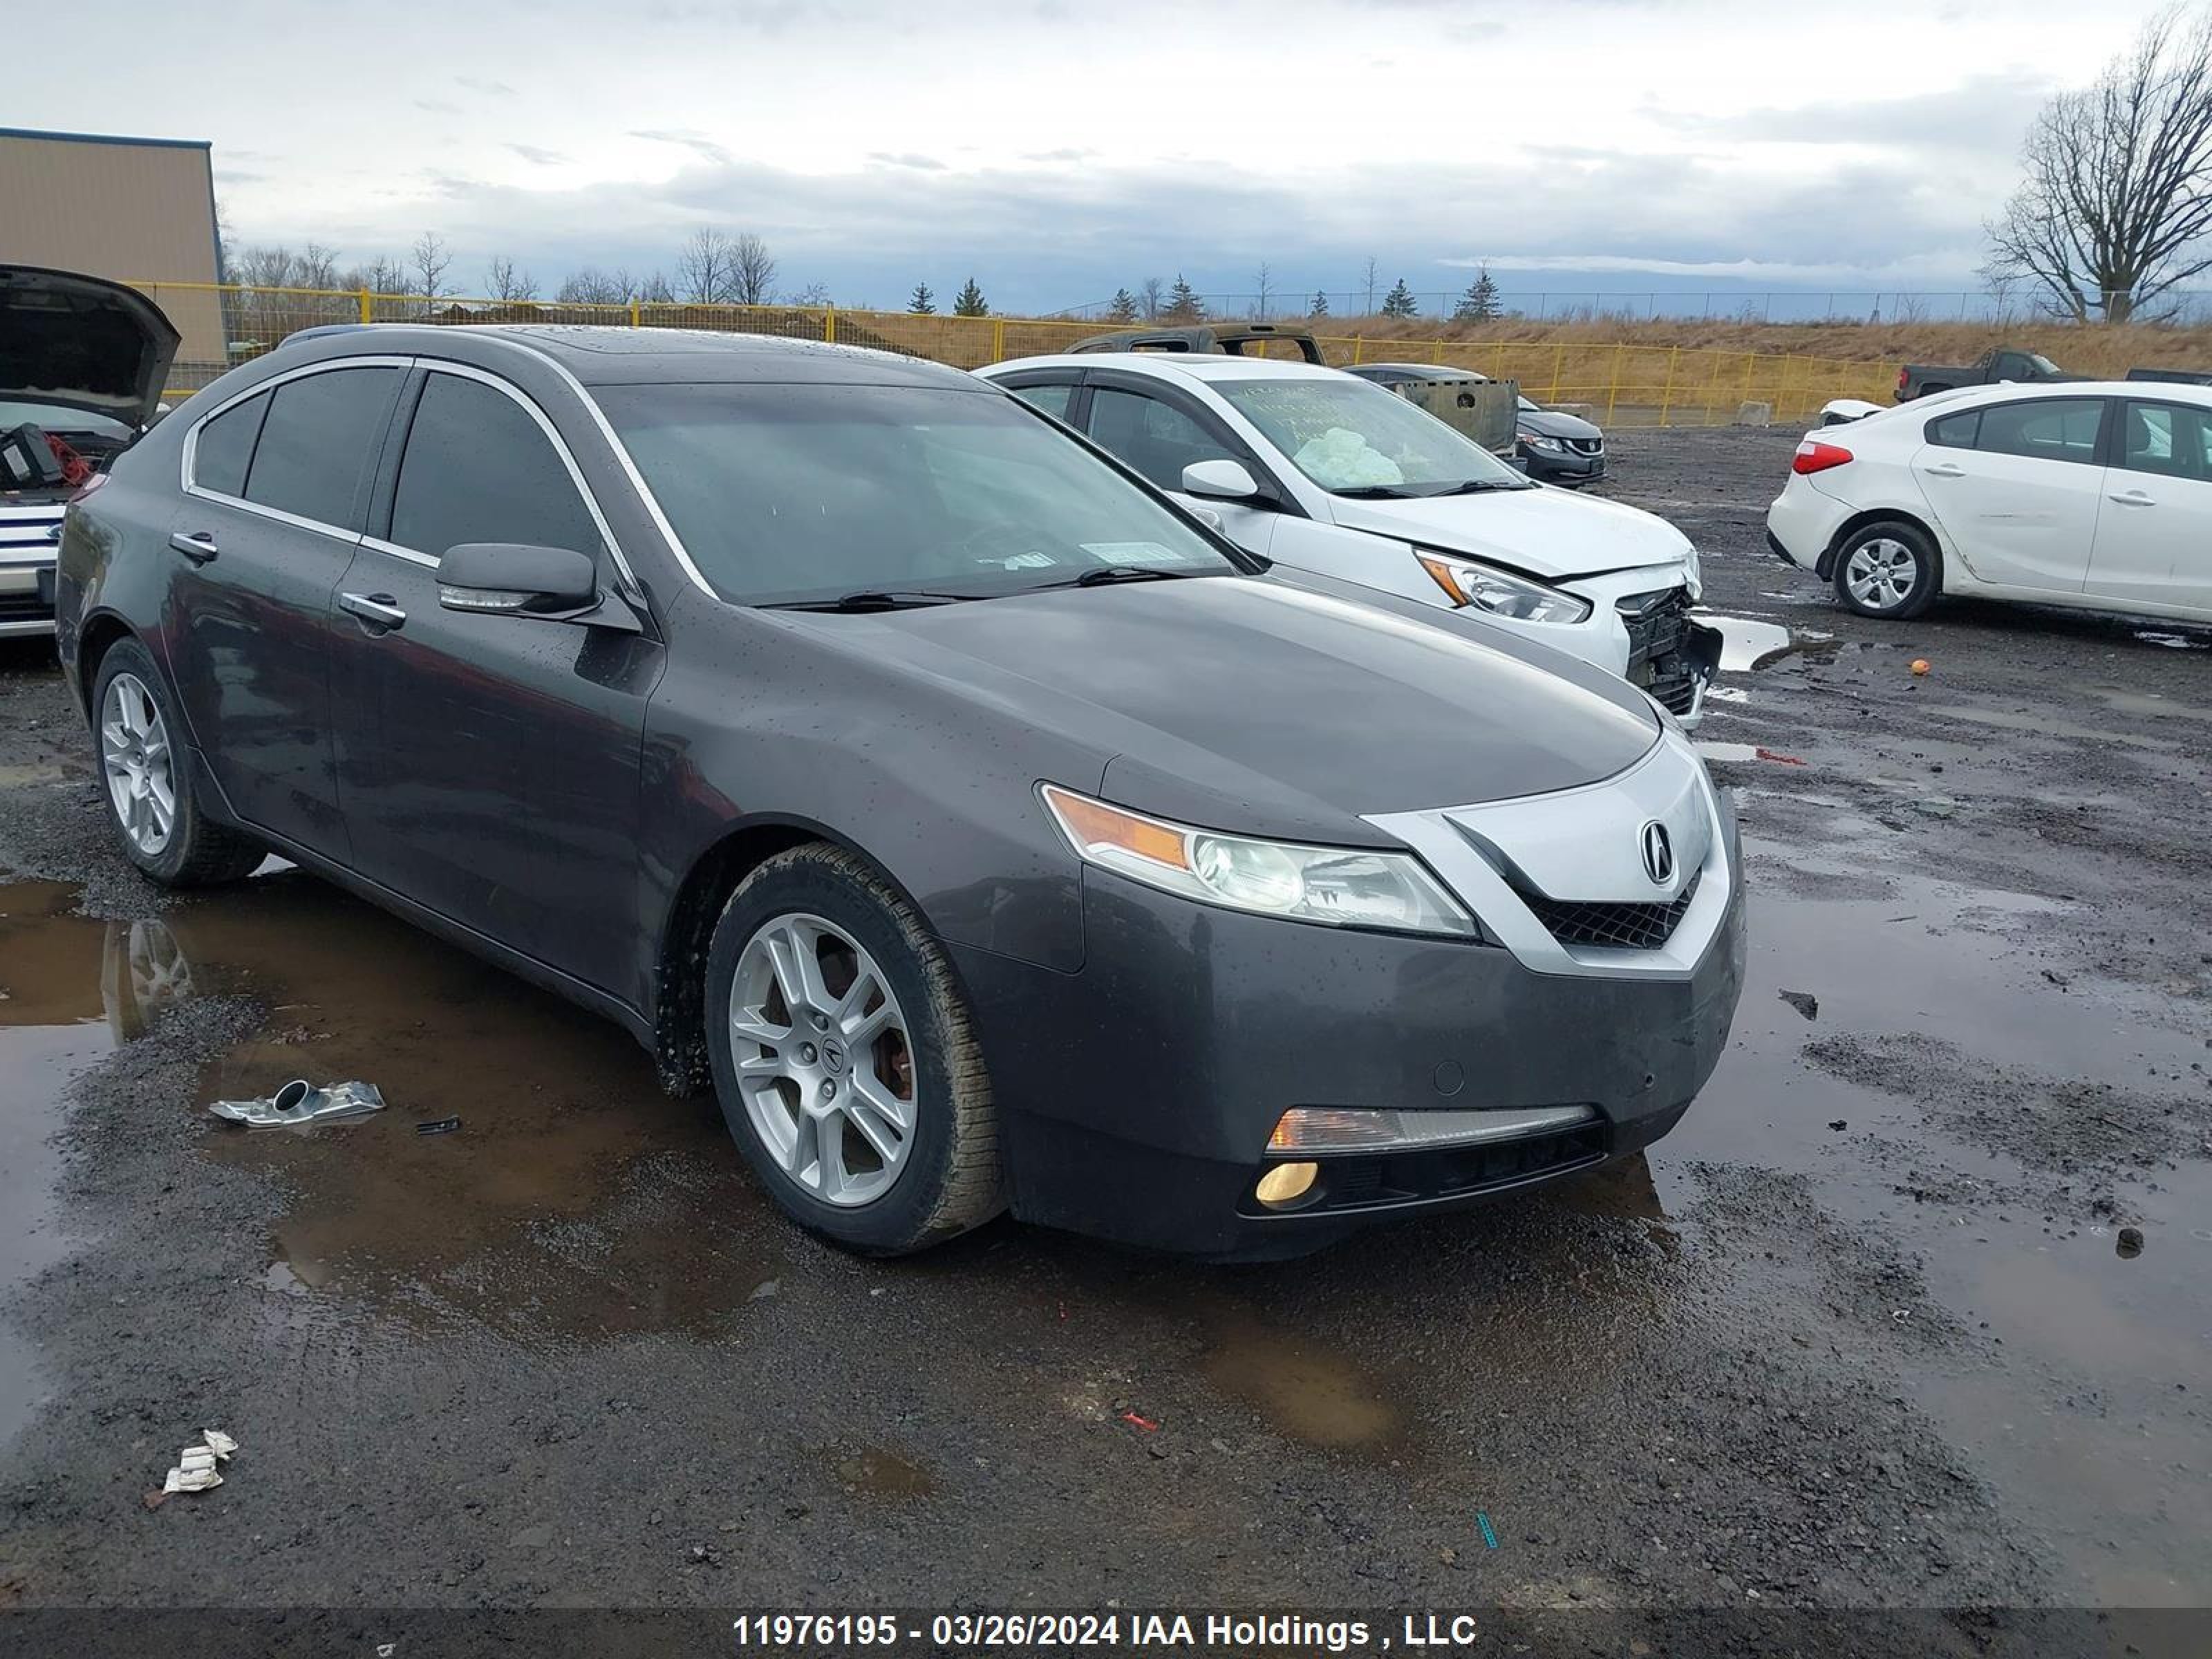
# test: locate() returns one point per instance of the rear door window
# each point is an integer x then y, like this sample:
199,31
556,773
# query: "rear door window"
223,447
2172,440
1956,431
478,468
319,441
1052,399
2049,429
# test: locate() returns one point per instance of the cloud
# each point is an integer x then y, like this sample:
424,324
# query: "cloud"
908,159
490,88
698,143
1984,112
543,158
436,106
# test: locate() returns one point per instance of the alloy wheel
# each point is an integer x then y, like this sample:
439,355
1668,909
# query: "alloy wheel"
134,755
1881,572
823,1058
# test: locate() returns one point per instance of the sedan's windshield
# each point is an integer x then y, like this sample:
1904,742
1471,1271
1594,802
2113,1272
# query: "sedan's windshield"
1351,437
791,494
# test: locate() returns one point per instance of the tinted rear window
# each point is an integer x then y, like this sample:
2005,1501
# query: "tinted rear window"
318,440
2056,429
225,446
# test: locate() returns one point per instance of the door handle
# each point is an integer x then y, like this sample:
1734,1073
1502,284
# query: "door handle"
195,544
2133,498
1945,470
375,608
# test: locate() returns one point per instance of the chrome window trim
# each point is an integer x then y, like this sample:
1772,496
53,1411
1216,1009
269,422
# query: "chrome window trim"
484,377
1438,836
187,455
621,455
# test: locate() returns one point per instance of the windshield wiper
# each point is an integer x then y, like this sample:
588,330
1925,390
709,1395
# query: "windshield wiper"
876,598
1104,573
1482,486
1375,492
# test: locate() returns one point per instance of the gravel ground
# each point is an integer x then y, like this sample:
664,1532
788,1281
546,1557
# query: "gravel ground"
1864,1333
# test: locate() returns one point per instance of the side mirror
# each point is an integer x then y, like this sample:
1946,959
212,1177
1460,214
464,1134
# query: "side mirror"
516,579
1220,480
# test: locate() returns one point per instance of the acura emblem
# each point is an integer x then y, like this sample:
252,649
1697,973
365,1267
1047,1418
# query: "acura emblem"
1658,852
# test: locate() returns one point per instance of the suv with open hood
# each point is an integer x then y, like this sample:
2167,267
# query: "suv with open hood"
82,362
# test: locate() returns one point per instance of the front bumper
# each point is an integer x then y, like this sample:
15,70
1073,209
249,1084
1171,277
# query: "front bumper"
27,546
1137,1096
1571,466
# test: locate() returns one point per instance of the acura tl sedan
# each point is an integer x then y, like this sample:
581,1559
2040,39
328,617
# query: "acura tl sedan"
982,829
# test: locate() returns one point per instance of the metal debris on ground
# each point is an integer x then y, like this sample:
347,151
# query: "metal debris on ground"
301,1102
196,1469
438,1126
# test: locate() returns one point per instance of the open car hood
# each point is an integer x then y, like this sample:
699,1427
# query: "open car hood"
82,342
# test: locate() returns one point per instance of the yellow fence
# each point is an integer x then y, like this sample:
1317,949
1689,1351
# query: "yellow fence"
1616,385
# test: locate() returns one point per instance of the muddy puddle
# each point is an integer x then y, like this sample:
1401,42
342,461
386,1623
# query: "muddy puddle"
1935,1098
573,1200
56,992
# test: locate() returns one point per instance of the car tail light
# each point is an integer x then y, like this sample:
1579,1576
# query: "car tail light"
1904,379
90,484
1814,456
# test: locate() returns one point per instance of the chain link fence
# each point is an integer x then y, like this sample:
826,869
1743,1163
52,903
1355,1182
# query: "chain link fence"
1615,385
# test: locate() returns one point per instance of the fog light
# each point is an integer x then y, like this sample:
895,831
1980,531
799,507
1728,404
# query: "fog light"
1286,1184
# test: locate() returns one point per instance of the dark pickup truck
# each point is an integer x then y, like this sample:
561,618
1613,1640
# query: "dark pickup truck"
2022,368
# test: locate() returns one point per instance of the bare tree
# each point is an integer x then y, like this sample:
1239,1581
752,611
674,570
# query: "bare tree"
1368,276
1262,279
704,267
655,290
815,296
432,259
2116,206
753,272
594,287
503,283
381,274
1151,296
317,267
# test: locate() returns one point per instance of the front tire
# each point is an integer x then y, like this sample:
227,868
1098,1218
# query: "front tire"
844,1058
1889,570
149,783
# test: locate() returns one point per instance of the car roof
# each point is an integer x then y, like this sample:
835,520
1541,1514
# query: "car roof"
1970,397
645,356
1169,365
1432,371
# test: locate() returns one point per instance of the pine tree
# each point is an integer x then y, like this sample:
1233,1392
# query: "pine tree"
1124,308
1320,307
923,302
969,302
1183,304
1480,303
1400,301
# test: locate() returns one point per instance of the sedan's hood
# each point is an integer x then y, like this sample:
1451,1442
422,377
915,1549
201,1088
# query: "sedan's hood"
1255,704
1554,423
82,342
1543,532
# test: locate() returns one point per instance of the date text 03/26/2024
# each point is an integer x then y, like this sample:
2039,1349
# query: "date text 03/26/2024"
1241,1632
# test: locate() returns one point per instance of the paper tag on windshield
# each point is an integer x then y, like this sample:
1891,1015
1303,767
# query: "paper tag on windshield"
1131,553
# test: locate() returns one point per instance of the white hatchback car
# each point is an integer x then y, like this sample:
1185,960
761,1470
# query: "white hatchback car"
2097,495
1320,470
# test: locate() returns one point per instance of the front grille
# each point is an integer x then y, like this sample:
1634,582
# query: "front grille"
1587,446
24,607
1678,696
1657,623
1611,927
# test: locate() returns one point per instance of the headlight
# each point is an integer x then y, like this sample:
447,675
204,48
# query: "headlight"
1478,585
1694,567
1538,440
1343,887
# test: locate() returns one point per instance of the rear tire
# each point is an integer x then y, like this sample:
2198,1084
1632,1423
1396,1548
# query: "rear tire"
150,780
1889,570
844,1058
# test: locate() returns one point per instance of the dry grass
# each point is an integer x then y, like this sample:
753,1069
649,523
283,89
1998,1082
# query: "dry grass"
2097,351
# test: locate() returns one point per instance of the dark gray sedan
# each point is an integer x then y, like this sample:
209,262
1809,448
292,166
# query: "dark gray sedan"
983,829
1553,445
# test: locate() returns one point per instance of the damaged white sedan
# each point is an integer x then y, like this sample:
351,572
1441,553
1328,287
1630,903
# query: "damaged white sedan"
1319,470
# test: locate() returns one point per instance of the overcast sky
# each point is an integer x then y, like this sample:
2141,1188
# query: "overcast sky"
1056,150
